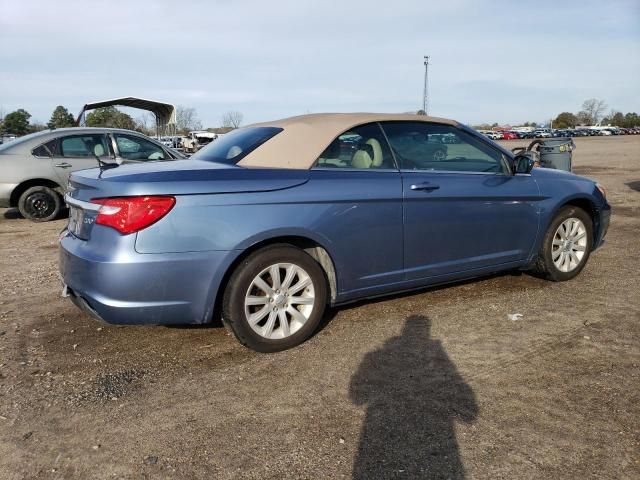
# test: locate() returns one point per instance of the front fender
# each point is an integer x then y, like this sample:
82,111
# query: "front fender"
589,202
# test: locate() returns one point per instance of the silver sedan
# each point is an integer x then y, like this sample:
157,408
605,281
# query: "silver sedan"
34,169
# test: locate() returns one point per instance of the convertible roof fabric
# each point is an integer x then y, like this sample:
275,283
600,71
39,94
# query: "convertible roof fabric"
165,112
305,137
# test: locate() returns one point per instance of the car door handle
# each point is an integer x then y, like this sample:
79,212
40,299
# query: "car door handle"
426,186
64,165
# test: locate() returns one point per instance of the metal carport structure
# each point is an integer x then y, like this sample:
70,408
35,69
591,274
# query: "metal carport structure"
165,113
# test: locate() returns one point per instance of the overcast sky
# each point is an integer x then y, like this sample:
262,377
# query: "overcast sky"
504,61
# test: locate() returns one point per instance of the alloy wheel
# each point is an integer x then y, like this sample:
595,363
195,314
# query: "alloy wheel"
569,244
279,300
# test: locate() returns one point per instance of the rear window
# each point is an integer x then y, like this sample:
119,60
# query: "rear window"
234,146
49,149
19,141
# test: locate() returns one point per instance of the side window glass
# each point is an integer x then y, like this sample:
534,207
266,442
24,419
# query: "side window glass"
49,149
135,148
84,146
431,146
363,147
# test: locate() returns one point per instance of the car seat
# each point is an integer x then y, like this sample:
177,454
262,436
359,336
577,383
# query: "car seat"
368,155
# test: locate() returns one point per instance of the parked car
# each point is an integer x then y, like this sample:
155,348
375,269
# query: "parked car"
34,169
542,134
525,134
509,135
273,222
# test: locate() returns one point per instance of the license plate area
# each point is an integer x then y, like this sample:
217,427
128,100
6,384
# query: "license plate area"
76,220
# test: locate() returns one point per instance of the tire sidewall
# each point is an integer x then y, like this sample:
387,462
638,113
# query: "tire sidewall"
53,197
564,214
233,303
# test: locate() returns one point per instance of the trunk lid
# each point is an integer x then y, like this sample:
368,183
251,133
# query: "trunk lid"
186,177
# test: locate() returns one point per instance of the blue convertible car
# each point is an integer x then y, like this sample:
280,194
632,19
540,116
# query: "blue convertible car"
273,222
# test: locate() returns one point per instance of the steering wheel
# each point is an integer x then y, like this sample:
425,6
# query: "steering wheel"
406,164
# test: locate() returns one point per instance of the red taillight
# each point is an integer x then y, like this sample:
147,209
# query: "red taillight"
131,214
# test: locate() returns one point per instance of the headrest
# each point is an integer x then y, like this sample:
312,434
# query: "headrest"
98,150
363,157
376,152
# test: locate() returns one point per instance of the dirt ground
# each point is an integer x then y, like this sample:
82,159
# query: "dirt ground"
434,384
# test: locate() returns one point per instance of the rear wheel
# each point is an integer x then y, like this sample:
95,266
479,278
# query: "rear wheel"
39,204
567,245
275,299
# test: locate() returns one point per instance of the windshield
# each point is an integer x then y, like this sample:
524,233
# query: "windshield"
234,146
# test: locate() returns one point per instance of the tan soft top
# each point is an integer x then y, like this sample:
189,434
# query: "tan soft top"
305,137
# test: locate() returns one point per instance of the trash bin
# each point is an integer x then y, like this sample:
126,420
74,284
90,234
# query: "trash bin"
556,153
552,153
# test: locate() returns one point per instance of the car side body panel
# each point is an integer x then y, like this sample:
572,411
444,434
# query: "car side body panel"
356,216
483,219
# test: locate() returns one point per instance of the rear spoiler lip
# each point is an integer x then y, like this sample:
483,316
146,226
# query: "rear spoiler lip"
92,207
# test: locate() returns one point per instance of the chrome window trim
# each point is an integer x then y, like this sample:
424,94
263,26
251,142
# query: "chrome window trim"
349,169
456,172
92,207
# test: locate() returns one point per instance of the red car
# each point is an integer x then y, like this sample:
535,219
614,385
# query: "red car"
509,135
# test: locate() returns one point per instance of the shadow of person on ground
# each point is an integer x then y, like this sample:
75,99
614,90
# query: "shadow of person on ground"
414,395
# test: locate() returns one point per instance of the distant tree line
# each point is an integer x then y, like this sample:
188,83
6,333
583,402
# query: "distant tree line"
19,122
592,113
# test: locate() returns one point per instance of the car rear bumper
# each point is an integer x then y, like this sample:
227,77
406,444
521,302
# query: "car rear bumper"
132,288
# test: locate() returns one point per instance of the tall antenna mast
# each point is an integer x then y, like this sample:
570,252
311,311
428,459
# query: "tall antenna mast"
426,83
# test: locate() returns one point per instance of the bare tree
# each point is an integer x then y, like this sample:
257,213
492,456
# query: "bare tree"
232,119
187,119
146,123
594,108
37,126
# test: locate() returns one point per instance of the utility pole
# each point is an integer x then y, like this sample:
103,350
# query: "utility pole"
426,82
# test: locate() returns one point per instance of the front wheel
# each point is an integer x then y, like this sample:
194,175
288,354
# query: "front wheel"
275,299
566,245
39,204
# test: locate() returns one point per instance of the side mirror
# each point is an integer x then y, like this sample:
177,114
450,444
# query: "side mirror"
524,162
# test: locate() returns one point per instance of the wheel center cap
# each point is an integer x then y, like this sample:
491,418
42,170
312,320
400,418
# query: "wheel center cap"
279,299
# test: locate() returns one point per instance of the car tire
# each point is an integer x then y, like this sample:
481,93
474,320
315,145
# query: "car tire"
271,316
566,245
40,204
